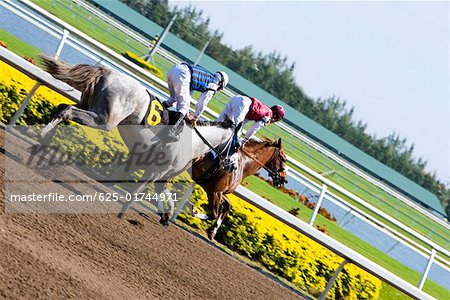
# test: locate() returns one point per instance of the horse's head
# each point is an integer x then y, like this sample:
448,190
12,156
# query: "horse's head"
277,165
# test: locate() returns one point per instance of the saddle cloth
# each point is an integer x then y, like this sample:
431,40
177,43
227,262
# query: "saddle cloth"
156,113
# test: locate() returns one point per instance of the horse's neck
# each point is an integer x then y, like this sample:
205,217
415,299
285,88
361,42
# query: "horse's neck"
260,155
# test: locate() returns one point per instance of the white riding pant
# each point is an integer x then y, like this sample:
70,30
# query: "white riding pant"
236,109
179,79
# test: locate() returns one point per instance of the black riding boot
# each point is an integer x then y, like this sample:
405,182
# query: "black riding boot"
171,133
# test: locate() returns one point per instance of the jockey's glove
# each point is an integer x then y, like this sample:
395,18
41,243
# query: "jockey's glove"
193,120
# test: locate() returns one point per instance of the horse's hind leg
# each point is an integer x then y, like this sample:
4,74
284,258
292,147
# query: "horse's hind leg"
89,118
106,120
50,129
81,116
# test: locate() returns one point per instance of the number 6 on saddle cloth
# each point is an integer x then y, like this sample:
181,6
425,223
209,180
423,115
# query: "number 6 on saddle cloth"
156,113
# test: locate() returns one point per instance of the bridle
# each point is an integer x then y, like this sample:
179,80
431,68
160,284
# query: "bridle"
278,180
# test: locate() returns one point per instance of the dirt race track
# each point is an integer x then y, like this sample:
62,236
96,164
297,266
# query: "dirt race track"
99,256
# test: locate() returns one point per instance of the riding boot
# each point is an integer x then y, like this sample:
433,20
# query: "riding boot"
230,161
171,133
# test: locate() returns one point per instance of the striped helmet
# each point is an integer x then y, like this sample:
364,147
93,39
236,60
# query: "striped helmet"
224,77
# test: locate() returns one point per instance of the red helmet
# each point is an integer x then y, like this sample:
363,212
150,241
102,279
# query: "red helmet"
278,110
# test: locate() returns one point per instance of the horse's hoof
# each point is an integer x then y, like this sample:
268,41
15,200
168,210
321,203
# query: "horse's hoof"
34,149
212,233
164,222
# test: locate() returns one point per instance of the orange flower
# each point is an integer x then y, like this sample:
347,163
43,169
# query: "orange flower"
29,59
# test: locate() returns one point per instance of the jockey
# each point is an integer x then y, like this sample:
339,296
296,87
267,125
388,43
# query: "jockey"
241,109
183,79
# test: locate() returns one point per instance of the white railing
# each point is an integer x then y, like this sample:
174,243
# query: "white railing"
349,255
100,47
388,230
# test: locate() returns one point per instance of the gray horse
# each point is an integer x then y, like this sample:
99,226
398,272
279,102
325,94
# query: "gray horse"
110,99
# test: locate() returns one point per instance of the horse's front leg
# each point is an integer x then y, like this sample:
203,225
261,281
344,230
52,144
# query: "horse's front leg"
214,204
162,192
226,207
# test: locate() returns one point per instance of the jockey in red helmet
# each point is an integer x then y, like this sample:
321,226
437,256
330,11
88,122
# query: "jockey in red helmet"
241,109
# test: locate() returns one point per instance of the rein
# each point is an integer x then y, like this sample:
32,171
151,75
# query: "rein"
205,141
259,163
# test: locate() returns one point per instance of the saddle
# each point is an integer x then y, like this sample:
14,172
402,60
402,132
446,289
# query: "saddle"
228,162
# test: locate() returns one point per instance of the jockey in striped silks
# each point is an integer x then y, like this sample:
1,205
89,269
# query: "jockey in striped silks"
183,80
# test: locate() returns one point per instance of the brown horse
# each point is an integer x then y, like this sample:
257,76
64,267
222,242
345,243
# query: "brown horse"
217,183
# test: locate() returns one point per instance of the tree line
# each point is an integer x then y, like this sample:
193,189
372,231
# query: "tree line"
273,73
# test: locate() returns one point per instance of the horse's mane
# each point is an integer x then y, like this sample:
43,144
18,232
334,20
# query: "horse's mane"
224,124
255,142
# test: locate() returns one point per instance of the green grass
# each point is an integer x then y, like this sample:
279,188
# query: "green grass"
18,46
101,31
390,293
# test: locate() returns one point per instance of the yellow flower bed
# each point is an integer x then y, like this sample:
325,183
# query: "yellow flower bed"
42,105
309,251
287,253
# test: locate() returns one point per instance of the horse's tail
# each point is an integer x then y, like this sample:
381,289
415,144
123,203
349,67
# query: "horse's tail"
83,77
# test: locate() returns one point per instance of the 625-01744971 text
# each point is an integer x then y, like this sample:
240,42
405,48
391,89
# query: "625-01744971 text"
102,197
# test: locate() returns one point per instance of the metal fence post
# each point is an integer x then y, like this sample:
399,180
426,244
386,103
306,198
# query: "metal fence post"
24,104
203,51
161,38
318,204
427,269
30,95
62,42
332,280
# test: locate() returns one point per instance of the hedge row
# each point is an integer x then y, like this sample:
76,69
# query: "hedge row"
143,64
